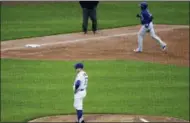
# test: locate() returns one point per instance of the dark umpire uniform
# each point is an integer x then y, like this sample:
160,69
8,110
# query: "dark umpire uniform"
89,10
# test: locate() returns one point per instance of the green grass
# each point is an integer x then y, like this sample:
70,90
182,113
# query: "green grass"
32,89
22,21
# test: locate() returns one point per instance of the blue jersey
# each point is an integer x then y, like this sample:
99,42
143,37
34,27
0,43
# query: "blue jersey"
146,17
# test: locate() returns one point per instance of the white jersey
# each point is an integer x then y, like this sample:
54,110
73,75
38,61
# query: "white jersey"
83,78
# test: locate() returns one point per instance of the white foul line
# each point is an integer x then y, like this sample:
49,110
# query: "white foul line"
86,39
143,120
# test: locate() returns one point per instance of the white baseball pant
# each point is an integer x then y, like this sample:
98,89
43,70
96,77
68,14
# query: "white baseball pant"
142,33
78,99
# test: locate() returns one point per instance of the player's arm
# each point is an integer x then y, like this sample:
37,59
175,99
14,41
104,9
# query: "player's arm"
141,16
77,84
147,16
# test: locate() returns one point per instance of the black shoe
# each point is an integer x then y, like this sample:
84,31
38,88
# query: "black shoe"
94,32
85,32
81,122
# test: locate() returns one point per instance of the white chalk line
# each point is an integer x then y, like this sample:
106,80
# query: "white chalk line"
87,39
143,120
74,41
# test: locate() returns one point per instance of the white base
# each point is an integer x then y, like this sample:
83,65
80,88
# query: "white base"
32,45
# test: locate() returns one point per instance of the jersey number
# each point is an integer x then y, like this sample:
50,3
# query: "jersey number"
86,81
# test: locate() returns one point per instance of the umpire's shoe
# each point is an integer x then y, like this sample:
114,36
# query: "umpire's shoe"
94,32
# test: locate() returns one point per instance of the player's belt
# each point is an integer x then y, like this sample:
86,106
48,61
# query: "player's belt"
81,90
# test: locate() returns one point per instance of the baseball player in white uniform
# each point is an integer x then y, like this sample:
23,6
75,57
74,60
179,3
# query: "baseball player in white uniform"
147,26
79,88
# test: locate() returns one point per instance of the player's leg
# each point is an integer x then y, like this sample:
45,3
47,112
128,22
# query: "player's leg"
93,18
78,105
141,35
155,37
85,20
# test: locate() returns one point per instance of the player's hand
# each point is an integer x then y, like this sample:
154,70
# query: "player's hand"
138,16
146,25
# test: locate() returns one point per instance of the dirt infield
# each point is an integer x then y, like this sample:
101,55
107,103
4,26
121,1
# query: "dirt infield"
108,118
107,44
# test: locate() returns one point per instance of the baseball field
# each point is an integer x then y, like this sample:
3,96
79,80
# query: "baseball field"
37,82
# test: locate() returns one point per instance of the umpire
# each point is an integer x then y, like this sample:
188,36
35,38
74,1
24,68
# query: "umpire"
89,10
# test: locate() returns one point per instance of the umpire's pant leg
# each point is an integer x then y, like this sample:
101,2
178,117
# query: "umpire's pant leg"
93,17
85,20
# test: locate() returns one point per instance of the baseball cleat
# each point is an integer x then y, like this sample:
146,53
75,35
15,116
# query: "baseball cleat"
164,48
81,122
137,50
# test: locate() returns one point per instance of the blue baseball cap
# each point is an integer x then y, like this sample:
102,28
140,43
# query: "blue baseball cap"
143,5
79,65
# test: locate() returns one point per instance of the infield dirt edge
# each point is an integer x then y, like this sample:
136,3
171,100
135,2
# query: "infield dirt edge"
107,118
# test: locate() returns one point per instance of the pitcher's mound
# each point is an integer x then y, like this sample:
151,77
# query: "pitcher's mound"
108,118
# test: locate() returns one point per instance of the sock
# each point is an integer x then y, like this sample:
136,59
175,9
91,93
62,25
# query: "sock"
79,116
